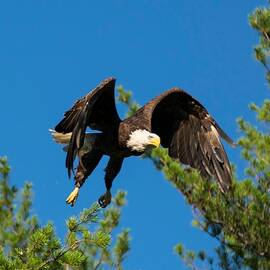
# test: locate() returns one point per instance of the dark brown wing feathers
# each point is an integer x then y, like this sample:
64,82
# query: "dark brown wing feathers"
103,114
191,134
67,124
96,110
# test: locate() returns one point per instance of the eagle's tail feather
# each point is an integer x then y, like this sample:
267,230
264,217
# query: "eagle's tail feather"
62,138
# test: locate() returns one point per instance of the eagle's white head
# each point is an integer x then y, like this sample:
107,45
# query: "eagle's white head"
141,139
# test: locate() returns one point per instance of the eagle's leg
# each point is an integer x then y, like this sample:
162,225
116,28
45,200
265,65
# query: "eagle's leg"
87,163
113,167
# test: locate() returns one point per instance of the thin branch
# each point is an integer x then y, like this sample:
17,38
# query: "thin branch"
99,261
265,34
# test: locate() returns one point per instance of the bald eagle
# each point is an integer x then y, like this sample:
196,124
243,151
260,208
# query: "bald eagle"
173,119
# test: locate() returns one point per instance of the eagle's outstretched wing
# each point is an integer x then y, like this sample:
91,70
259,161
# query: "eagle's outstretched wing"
191,134
96,110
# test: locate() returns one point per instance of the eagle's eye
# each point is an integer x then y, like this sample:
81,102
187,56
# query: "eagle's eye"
150,136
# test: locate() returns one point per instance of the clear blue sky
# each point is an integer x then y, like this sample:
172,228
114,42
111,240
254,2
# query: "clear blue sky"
53,52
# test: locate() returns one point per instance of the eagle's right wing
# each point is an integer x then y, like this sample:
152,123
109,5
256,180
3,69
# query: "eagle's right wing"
96,110
191,134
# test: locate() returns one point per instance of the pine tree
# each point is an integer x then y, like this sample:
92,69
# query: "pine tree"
25,245
240,220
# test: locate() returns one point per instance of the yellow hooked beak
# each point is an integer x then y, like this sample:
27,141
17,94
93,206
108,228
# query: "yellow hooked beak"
155,142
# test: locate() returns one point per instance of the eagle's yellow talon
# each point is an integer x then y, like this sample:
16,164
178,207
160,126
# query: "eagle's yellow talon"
71,199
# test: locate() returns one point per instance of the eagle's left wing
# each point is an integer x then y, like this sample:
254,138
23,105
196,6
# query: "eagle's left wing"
191,134
96,110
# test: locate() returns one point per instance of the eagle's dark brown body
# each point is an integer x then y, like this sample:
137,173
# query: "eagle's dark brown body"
181,122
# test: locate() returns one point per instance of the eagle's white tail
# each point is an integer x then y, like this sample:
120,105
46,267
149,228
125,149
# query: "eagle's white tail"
61,137
64,138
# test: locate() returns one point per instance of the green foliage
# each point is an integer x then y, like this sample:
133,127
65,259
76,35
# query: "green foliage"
121,248
240,219
189,256
260,21
24,244
126,98
109,255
